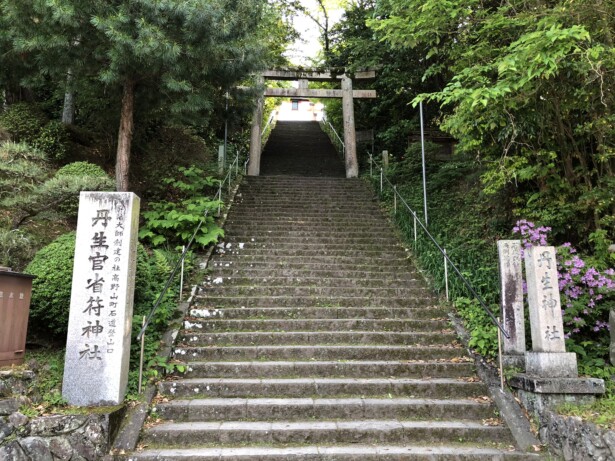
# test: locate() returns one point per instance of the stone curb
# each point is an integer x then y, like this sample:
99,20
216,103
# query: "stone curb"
510,410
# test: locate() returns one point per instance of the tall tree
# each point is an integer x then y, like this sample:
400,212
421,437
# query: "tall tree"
174,53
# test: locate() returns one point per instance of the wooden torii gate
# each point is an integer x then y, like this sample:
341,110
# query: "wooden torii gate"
303,77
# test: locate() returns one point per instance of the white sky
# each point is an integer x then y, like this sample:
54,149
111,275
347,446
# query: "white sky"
301,52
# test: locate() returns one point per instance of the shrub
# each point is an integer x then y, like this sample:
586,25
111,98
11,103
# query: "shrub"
15,249
53,268
21,168
82,169
53,140
59,195
23,121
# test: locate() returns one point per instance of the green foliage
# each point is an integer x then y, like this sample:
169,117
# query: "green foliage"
53,268
524,88
81,169
58,197
23,121
53,140
22,168
483,333
27,123
174,222
16,249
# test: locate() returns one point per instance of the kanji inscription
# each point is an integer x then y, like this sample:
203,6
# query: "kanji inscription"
98,343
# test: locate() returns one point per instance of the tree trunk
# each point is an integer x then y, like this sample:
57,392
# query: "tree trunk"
68,113
124,141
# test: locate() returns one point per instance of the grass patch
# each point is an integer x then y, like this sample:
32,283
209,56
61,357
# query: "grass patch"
601,412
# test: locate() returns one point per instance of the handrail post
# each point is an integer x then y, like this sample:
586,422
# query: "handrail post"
415,235
181,275
381,181
371,169
446,274
141,356
395,199
500,356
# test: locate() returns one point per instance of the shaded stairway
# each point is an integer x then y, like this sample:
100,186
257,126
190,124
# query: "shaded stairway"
314,339
300,149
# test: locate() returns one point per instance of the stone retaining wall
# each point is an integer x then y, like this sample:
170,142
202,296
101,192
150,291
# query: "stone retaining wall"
576,440
49,438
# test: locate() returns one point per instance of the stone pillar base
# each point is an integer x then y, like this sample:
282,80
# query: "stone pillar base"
514,361
538,394
551,364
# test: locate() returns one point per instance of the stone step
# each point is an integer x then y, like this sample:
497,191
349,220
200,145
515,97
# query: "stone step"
254,230
312,313
284,251
242,276
286,325
340,432
317,352
276,240
227,288
438,388
311,263
239,235
294,409
322,301
354,452
266,278
462,367
321,337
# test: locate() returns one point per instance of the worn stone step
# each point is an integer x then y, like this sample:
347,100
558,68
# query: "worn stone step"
332,204
440,388
266,278
275,240
240,236
229,289
294,409
310,263
242,276
366,431
316,249
255,229
354,452
299,324
307,313
317,352
319,337
462,367
314,301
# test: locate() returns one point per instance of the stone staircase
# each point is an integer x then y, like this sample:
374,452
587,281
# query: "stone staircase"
314,338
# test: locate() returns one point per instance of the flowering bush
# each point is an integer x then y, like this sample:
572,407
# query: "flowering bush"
587,293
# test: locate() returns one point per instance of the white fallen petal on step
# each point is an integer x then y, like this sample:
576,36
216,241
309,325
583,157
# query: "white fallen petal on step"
218,280
252,240
241,245
196,390
228,245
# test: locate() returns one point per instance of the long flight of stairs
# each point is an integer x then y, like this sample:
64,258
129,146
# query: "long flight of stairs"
314,338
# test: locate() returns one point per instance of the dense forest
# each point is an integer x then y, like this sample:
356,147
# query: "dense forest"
132,90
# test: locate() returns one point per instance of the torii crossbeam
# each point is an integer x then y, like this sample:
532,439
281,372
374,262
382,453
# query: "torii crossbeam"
303,77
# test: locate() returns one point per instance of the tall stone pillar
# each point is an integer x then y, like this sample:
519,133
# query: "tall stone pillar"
350,139
511,286
254,166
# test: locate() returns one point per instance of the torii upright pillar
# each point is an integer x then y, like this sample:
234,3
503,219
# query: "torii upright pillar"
254,165
350,135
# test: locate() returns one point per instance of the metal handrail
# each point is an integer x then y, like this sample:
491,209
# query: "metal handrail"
171,277
465,281
234,167
333,135
269,123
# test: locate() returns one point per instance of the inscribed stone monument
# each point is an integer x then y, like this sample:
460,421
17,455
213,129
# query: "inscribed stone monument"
549,357
511,288
100,320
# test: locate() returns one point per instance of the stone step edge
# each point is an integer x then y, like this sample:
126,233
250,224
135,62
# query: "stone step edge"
330,453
